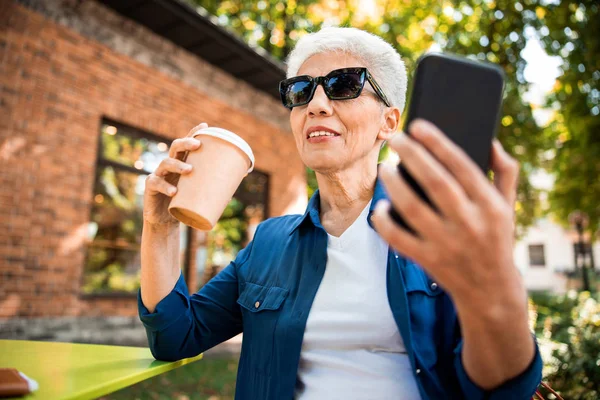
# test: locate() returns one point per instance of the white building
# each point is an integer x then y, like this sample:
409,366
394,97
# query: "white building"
545,252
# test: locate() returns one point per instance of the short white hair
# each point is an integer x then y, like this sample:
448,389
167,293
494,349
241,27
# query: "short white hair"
382,60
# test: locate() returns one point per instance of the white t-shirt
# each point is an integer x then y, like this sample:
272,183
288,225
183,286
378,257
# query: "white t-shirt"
352,348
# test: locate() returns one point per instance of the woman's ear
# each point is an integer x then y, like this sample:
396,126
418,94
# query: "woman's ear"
391,121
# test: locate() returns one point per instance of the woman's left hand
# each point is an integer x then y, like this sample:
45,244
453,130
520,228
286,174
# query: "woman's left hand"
467,247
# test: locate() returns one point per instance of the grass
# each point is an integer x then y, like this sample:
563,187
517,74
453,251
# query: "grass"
212,378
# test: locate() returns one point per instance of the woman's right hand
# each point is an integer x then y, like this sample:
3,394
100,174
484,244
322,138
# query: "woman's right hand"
161,185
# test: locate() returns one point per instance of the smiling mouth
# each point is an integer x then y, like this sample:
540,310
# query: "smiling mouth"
320,134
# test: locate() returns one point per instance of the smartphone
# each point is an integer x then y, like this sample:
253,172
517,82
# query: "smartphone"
463,98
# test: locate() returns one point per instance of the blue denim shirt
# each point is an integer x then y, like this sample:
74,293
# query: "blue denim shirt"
267,293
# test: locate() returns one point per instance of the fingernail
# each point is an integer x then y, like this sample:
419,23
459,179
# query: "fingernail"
172,190
381,206
385,169
398,138
418,126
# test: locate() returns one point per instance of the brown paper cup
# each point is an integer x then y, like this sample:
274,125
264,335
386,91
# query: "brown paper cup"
219,165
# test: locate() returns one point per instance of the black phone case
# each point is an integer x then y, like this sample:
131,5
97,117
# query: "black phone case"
463,98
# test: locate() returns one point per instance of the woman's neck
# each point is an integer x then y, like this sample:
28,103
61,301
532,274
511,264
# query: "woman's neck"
344,195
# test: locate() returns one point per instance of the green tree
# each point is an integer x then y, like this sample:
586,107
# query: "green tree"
568,331
571,31
485,30
273,25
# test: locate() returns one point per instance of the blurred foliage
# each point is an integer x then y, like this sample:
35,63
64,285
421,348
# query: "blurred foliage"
234,230
485,30
272,25
212,378
571,30
311,182
112,259
111,278
227,237
568,331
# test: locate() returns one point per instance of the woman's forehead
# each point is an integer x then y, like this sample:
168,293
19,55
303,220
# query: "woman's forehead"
323,63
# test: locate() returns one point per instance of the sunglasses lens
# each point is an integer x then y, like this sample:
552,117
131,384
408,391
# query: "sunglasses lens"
339,85
345,85
297,93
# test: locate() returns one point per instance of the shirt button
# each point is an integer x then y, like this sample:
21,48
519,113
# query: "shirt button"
418,371
257,304
434,286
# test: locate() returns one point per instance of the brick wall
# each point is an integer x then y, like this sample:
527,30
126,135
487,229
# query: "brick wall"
63,67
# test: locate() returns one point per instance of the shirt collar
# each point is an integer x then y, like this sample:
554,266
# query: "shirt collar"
314,207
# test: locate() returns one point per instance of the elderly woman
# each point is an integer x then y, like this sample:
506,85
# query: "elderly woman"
341,303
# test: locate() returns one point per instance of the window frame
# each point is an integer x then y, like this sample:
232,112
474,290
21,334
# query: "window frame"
531,259
100,163
189,236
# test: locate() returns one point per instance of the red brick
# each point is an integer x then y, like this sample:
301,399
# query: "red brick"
55,88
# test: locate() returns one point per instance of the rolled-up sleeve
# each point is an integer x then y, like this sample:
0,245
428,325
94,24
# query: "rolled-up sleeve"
522,386
184,326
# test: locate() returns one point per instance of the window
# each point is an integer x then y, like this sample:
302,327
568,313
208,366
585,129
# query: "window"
126,156
536,255
238,223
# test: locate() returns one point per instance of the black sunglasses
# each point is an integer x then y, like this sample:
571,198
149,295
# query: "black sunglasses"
339,84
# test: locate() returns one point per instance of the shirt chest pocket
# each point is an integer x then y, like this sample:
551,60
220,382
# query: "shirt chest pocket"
260,305
425,305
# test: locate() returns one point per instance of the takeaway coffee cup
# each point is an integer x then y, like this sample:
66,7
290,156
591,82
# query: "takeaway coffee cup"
219,165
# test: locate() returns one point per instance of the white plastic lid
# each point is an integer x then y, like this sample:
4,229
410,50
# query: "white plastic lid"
231,138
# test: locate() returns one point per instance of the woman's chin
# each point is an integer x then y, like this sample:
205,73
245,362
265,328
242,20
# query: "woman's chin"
324,166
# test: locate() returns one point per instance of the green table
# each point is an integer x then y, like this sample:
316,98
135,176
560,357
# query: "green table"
81,371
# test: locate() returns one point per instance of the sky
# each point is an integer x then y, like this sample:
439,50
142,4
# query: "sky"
541,71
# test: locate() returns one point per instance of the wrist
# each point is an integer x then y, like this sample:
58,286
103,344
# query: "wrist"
494,309
493,315
162,227
495,294
498,342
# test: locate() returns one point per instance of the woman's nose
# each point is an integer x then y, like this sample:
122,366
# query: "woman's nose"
320,103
